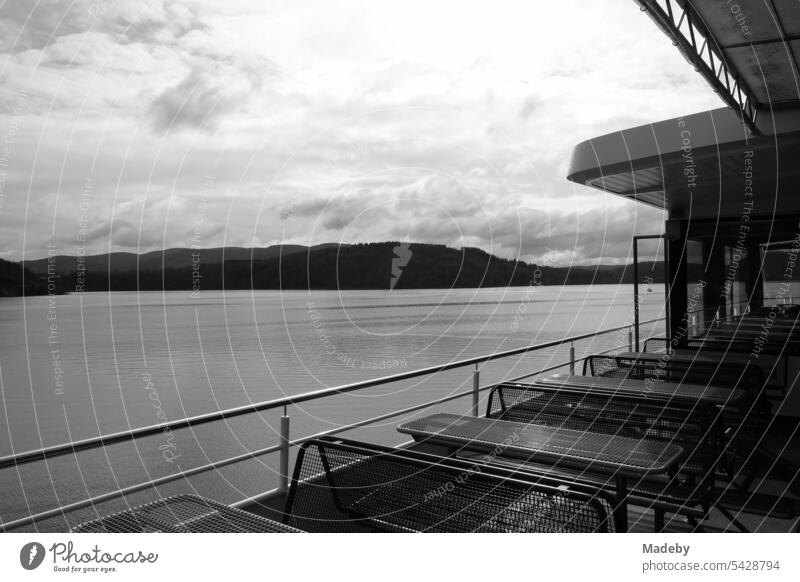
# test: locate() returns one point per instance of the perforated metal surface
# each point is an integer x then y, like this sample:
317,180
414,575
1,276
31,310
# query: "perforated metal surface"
591,450
749,417
347,487
746,421
739,351
674,368
655,345
679,369
183,514
661,345
663,391
679,422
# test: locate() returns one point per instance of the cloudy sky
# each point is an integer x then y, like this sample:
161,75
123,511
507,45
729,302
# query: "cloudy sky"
145,125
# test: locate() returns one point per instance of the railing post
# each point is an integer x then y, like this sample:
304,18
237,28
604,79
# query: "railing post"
630,339
636,289
572,358
476,383
283,483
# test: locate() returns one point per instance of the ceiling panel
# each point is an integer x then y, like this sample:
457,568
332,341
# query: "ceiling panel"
789,15
767,70
733,23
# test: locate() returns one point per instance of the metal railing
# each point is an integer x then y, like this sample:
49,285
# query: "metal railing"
285,444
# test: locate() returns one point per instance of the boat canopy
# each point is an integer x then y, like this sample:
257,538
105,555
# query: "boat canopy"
729,178
747,50
700,165
707,165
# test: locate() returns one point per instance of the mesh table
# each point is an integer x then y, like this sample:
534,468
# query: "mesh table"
621,457
748,422
737,360
687,415
348,486
183,514
610,386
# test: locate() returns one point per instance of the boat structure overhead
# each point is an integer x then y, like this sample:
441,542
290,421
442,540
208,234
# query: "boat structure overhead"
700,163
728,180
747,50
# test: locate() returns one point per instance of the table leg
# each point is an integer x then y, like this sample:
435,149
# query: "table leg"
621,509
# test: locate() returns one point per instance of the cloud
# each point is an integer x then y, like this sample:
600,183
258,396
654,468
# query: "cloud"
530,105
218,82
32,26
363,122
198,101
469,210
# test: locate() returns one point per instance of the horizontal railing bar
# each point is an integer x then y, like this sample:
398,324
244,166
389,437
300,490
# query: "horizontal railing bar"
260,498
217,464
62,510
277,491
387,416
123,436
414,408
551,368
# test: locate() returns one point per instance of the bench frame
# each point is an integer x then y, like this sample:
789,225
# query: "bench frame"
599,500
694,507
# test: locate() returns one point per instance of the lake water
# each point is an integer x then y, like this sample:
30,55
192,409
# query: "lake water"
77,366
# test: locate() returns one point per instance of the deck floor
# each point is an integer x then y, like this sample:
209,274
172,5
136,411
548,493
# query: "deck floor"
770,504
765,513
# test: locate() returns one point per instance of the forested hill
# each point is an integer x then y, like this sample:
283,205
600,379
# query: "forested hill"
385,265
16,280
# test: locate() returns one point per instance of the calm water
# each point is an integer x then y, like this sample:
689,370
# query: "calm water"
77,366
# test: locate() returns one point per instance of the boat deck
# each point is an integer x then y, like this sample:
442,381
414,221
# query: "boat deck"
771,505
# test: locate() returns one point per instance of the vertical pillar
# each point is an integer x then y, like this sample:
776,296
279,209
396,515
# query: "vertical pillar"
476,383
283,483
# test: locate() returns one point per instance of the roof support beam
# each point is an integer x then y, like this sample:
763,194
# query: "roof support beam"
786,39
678,21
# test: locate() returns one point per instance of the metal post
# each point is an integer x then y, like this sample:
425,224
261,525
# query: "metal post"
636,240
636,289
284,461
630,339
476,383
572,358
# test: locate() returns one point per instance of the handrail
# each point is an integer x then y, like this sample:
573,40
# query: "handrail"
85,444
63,510
123,436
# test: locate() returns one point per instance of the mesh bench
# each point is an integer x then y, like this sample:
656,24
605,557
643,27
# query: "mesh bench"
738,345
347,486
747,420
670,367
690,422
773,362
617,457
655,392
183,514
744,424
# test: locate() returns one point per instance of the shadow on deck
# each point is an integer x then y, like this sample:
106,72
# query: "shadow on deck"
771,502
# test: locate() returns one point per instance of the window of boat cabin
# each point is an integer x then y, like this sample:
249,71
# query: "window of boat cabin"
696,315
781,274
737,271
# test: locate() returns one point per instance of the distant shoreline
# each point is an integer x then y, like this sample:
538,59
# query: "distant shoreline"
360,267
386,291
